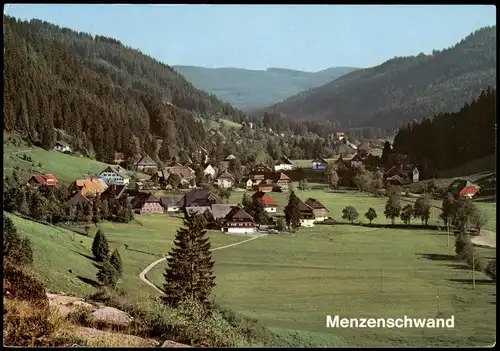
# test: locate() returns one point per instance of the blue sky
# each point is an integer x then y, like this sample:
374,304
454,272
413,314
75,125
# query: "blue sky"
305,37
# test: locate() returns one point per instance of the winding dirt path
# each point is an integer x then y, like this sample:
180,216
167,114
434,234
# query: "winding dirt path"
142,275
485,238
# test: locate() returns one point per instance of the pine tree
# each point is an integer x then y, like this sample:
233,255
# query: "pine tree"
292,212
100,246
15,249
258,211
189,272
107,274
246,202
116,261
105,209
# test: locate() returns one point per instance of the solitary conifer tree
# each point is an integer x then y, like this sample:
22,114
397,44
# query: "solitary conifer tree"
100,246
116,261
292,212
189,271
107,274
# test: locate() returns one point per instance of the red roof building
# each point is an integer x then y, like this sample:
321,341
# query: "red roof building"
43,179
270,204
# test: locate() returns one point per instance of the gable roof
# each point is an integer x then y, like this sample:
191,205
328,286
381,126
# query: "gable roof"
225,175
116,169
230,157
172,200
117,190
395,177
365,145
91,185
145,161
356,158
45,179
459,184
142,198
78,198
285,160
303,207
239,214
201,197
268,200
182,171
318,160
221,210
281,176
315,204
61,143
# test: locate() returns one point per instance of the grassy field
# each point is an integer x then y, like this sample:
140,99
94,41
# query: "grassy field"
308,163
335,201
290,282
293,282
216,125
57,250
66,168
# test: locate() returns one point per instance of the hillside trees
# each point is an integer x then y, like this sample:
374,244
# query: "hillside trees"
404,88
432,141
189,271
70,90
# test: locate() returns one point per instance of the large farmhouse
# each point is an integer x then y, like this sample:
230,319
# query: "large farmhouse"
238,221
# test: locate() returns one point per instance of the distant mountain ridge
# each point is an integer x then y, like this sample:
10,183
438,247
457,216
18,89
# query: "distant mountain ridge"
401,89
248,89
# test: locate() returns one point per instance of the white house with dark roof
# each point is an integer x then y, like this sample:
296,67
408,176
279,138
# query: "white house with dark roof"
283,165
115,174
145,164
225,180
61,146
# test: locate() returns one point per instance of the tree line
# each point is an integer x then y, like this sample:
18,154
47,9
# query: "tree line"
450,140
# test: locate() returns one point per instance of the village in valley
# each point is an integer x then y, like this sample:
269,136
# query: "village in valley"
176,188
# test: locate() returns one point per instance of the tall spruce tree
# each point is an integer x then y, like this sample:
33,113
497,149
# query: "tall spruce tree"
292,212
116,261
189,271
100,246
107,274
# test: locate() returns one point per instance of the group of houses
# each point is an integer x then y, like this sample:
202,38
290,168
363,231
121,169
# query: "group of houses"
265,179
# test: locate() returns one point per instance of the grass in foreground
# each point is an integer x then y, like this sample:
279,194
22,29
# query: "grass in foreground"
293,282
65,258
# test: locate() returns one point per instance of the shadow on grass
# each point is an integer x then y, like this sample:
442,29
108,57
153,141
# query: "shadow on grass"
463,267
86,256
469,281
89,281
438,257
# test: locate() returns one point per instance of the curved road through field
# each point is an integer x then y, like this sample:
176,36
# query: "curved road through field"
142,275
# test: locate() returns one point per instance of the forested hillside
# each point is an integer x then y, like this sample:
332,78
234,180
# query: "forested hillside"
451,140
403,88
247,89
106,97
